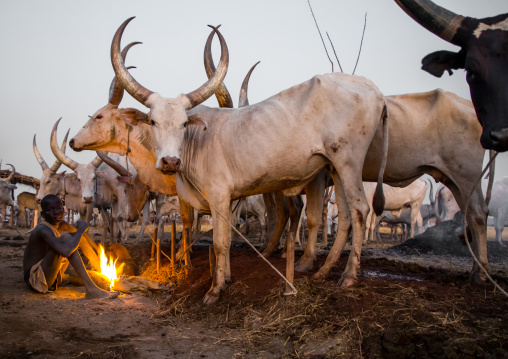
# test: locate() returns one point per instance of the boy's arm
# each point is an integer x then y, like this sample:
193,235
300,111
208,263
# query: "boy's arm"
67,247
64,226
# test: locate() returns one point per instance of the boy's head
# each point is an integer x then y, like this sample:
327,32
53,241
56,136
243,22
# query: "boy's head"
52,209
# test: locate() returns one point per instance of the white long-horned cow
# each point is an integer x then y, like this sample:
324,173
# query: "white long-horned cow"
328,120
445,205
84,172
26,201
107,130
433,133
397,199
6,190
129,192
498,206
484,56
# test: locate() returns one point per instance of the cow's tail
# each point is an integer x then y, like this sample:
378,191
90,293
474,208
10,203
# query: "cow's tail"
378,203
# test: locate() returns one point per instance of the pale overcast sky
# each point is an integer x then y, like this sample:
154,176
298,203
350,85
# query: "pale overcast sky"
55,55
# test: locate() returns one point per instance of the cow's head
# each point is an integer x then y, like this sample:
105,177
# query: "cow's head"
6,187
50,182
484,56
168,117
84,172
133,194
107,129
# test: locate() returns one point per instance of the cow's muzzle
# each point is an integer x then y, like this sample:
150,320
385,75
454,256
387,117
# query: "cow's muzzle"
495,140
170,164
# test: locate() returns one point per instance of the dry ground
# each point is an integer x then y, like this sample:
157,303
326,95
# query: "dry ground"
405,306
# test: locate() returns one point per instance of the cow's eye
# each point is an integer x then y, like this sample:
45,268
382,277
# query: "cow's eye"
152,122
99,117
185,124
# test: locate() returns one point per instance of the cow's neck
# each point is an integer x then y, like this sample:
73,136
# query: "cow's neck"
142,156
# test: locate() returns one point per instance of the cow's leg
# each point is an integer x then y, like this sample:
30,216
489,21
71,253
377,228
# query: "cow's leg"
367,237
295,206
371,225
221,243
501,216
271,216
282,219
315,201
146,214
477,221
343,230
351,178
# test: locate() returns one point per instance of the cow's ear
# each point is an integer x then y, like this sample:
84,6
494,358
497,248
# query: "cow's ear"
437,62
133,116
195,120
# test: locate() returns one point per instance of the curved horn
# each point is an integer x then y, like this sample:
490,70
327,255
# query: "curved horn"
38,155
8,179
41,161
222,93
209,87
59,154
436,19
128,82
243,100
113,164
58,163
96,162
116,89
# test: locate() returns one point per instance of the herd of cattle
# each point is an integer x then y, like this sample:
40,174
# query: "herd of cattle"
334,129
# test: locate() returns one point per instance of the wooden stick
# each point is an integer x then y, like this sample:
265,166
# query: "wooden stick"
173,239
158,250
186,257
290,262
211,257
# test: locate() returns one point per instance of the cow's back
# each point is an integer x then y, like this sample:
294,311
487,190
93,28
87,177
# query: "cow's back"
427,128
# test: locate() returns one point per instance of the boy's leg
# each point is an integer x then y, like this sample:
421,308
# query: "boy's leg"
51,265
86,246
92,291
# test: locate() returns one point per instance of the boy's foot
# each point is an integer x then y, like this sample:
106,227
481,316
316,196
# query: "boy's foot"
100,294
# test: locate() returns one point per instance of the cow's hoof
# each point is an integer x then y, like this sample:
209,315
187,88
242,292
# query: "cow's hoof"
302,267
347,282
319,276
284,255
266,254
210,298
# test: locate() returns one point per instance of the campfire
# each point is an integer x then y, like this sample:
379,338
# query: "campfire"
108,266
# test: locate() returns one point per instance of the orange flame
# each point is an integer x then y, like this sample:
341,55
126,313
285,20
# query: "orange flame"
108,267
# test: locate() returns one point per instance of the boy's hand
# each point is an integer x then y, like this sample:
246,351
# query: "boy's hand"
82,225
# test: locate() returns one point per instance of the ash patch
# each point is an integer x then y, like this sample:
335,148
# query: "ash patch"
443,239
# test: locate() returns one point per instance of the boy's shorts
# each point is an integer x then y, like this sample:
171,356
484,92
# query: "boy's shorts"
37,279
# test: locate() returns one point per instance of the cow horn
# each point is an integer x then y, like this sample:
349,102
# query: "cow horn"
436,19
97,161
38,155
113,164
43,163
116,89
222,93
128,82
8,179
59,154
209,87
243,100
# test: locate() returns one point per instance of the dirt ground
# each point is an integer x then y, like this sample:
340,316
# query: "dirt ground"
407,305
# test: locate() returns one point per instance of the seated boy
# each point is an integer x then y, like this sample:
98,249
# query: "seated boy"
48,252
